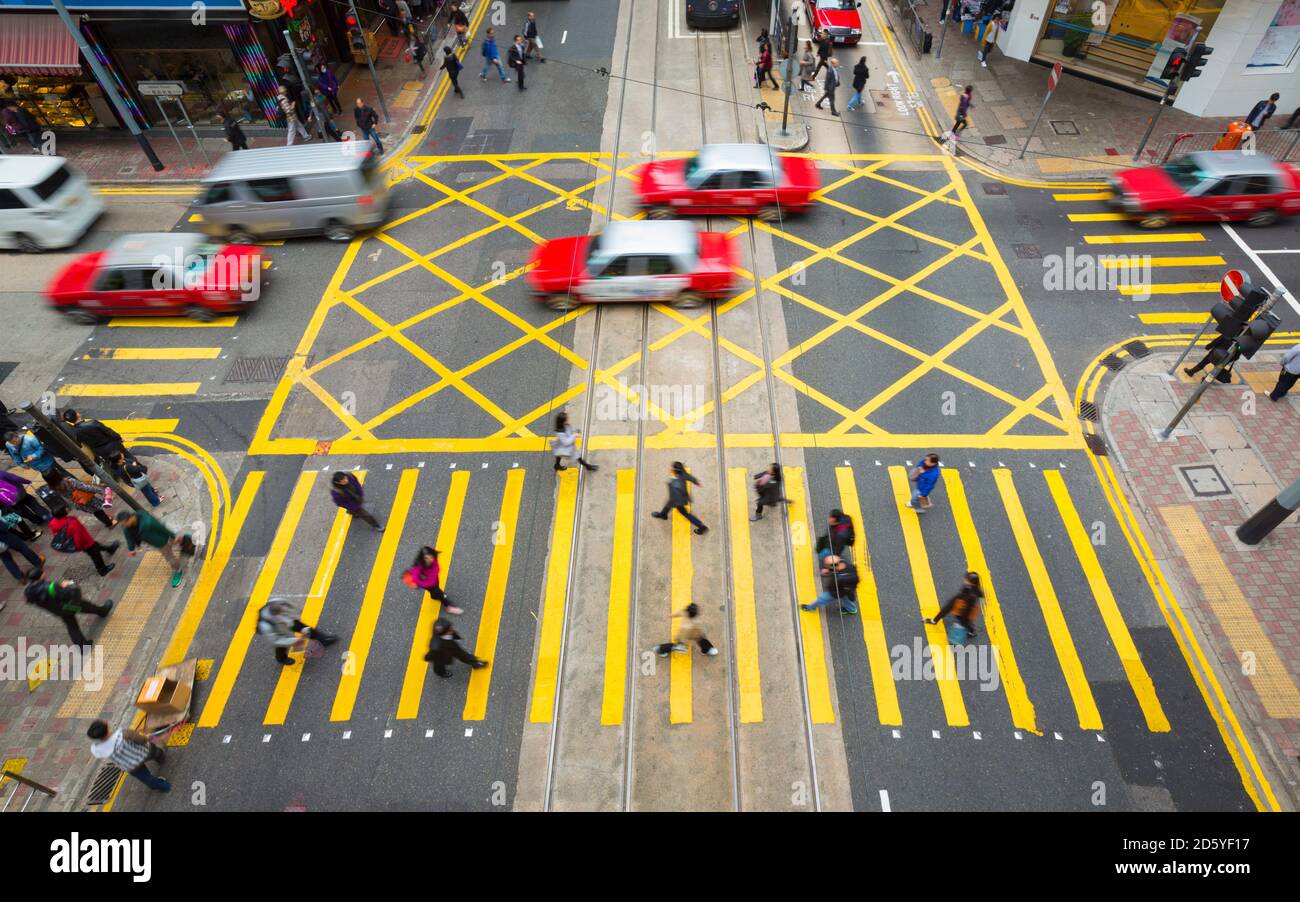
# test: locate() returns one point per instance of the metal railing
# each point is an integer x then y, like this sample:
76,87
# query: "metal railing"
913,24
1282,145
19,781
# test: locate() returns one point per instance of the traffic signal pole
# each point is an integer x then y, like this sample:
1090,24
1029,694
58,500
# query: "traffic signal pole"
1271,515
88,463
365,45
1187,350
1169,89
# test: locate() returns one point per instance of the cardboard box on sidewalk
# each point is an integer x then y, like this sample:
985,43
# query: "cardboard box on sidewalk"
165,696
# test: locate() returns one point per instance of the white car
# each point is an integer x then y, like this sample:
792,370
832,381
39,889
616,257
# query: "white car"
44,203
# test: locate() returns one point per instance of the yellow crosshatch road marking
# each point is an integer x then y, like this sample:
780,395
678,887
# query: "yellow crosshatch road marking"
1037,416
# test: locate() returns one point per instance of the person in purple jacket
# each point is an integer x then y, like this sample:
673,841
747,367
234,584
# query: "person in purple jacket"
346,491
329,86
14,499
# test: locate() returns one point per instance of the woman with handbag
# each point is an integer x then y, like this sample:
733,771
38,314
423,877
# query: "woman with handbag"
423,574
96,500
963,607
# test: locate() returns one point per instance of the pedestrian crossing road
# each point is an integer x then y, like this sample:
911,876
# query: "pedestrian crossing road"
1063,596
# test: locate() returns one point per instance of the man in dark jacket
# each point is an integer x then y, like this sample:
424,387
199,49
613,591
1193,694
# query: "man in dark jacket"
533,37
233,131
62,598
103,441
840,533
829,84
445,647
20,123
517,58
459,24
1262,112
839,581
452,66
368,122
679,498
824,47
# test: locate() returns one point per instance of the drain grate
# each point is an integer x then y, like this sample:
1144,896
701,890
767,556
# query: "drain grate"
1205,481
1112,363
993,189
1096,444
258,369
1088,411
1137,350
1027,251
102,789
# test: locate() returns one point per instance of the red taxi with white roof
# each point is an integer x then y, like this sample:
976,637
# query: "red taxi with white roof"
1211,184
840,18
729,179
636,260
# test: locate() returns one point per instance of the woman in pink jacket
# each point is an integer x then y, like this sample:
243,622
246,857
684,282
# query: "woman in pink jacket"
423,574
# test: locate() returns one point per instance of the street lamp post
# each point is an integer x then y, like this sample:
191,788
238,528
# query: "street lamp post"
365,45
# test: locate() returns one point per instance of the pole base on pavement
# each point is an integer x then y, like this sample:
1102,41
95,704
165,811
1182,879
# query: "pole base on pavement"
797,138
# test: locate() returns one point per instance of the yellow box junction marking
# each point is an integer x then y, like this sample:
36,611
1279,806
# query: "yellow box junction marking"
1120,638
614,698
1084,704
153,354
417,669
1022,709
557,581
1271,681
377,587
278,709
140,427
680,694
873,627
170,322
127,389
748,678
489,623
945,668
233,659
821,707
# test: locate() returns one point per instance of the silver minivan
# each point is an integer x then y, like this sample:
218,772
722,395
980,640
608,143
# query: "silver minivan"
333,189
44,203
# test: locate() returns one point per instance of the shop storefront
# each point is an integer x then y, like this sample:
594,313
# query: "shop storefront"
41,69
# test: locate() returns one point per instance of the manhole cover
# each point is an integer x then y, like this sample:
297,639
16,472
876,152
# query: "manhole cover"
1112,363
993,189
1027,251
258,369
1064,127
1204,481
1088,411
1137,349
995,140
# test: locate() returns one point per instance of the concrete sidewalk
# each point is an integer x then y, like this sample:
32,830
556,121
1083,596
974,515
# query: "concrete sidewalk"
116,157
1088,128
43,718
1228,458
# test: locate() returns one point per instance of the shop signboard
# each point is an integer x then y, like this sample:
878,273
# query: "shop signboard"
160,88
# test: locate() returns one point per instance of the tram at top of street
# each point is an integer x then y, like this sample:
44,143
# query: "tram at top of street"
1209,185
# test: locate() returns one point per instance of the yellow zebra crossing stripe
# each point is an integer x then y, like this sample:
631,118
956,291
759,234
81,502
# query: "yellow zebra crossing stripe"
1120,638
1084,704
748,682
945,668
821,708
275,555
354,664
1153,238
557,581
614,697
680,696
1022,709
417,669
489,623
873,627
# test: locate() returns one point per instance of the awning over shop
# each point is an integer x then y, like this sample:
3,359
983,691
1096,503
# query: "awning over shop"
37,45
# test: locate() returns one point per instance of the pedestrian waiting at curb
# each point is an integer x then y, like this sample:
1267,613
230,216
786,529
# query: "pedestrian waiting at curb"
839,582
1289,374
1217,344
63,599
445,647
424,574
68,536
140,528
328,83
280,622
130,751
452,66
963,607
768,486
687,628
347,493
679,498
925,475
533,37
565,444
491,57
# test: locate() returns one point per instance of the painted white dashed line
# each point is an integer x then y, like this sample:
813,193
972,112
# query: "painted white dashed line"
306,737
469,731
347,734
884,800
1019,735
428,734
1059,737
483,466
355,468
564,37
1032,465
1101,738
421,465
934,734
897,734
388,734
976,734
388,466
453,466
266,737
225,740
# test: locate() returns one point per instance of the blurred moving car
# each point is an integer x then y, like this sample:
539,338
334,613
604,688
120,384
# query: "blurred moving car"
729,179
333,189
634,261
44,203
839,17
712,12
1210,184
162,274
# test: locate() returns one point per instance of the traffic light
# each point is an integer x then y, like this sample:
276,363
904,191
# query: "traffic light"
1232,318
1196,62
1257,332
1174,64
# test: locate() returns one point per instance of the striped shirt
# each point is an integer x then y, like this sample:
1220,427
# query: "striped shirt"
121,751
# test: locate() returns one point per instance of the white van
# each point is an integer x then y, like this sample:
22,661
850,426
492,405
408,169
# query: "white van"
44,203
